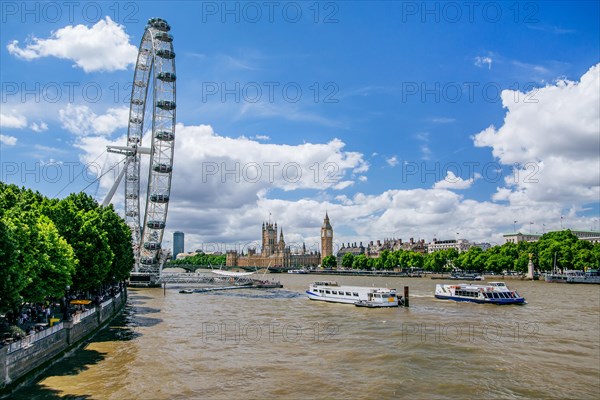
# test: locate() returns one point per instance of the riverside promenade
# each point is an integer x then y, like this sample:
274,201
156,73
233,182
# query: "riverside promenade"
23,360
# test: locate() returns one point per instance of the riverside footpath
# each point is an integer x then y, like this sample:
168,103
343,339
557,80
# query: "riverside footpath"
23,360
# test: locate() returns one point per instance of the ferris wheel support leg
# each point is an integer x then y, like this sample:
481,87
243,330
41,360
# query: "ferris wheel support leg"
114,187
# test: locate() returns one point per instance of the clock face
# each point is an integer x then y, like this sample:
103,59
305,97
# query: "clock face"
323,234
329,233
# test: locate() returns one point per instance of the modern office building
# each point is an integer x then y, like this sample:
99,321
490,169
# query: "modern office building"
178,243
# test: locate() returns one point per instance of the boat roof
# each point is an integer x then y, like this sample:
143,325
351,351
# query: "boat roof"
492,285
326,283
353,288
231,273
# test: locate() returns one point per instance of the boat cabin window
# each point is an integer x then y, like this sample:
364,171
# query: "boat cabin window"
334,292
348,294
328,292
355,294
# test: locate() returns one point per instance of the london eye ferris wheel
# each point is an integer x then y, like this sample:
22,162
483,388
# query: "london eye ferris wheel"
152,110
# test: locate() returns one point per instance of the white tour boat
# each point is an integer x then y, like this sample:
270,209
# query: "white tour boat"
493,293
361,296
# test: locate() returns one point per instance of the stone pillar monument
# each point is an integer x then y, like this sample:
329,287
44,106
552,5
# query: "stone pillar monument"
530,272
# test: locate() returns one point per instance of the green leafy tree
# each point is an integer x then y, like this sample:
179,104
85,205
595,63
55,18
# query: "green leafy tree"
47,244
451,254
22,228
384,255
557,246
55,263
348,260
522,262
497,263
45,259
92,249
403,258
435,261
392,260
376,263
9,197
360,262
119,240
416,260
596,253
471,259
12,279
584,256
329,262
79,221
200,259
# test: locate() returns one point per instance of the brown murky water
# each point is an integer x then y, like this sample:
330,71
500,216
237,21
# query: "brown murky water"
278,344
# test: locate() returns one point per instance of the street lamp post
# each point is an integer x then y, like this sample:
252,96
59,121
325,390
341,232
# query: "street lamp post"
67,311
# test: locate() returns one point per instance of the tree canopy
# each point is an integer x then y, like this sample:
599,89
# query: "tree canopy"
200,259
569,251
49,244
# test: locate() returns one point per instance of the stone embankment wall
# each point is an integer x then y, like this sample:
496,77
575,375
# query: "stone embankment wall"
23,360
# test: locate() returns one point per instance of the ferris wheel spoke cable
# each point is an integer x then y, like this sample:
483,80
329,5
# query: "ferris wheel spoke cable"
80,174
104,173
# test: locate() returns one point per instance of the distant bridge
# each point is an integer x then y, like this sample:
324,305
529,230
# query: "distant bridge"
202,277
193,267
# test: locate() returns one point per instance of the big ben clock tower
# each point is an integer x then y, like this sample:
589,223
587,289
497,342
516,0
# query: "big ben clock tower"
326,238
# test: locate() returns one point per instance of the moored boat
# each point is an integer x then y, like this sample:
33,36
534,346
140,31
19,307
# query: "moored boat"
493,293
589,276
358,295
556,277
461,277
467,277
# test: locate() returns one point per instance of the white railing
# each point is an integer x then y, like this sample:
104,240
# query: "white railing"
78,317
106,303
29,340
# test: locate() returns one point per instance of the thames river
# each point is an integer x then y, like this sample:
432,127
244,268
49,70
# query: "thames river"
277,344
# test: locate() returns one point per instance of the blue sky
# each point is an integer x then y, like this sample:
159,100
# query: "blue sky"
405,119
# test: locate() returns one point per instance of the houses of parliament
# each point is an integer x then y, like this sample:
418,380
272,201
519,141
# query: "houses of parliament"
275,253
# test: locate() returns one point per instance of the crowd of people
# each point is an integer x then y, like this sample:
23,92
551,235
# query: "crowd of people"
34,318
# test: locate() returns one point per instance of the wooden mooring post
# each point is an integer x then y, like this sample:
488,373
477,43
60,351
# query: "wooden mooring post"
405,296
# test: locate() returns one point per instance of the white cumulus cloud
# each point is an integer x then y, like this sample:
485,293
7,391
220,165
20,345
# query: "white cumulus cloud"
483,61
13,120
103,47
451,181
81,120
8,140
42,126
551,137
